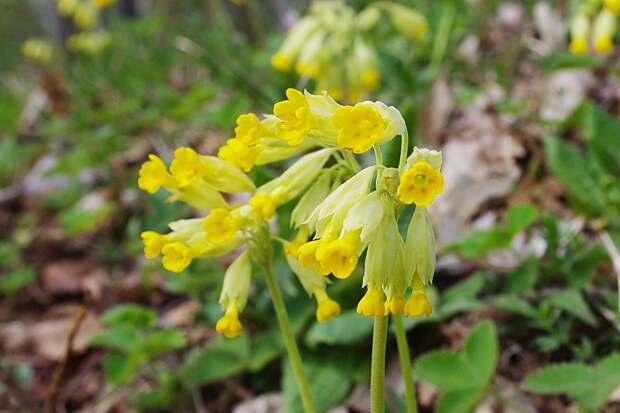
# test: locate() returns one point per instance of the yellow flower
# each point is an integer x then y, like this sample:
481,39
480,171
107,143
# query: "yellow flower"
394,305
249,129
66,7
103,3
603,44
177,256
340,255
186,166
579,46
420,184
89,42
221,226
229,325
308,69
360,127
153,243
372,303
408,21
307,255
370,79
38,50
154,174
239,154
85,16
295,118
326,309
603,31
281,62
613,6
264,206
418,305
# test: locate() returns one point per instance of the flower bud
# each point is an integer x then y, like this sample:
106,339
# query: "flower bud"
420,247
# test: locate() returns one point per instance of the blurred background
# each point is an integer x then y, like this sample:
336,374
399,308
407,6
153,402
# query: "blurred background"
527,227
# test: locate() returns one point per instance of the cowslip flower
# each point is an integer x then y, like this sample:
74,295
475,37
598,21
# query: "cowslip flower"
199,181
319,46
594,24
354,218
234,295
603,30
422,180
38,50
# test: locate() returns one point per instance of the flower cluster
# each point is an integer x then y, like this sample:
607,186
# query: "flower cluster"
331,45
594,26
338,216
354,218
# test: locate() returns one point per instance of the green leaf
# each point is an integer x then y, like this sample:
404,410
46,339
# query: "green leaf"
609,368
590,387
514,304
122,338
467,288
216,362
161,341
76,220
477,243
458,401
573,303
520,217
461,296
575,173
118,368
265,348
524,278
13,281
130,315
330,377
439,367
480,351
561,378
347,328
601,130
565,60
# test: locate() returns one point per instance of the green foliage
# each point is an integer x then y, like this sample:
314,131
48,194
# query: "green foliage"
348,328
331,375
463,378
222,358
564,60
13,281
135,339
590,386
477,243
590,177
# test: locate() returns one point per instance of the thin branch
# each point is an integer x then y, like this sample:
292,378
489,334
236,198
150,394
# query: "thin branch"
59,372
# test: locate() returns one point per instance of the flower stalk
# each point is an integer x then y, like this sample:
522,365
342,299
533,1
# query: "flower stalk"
377,368
405,364
264,258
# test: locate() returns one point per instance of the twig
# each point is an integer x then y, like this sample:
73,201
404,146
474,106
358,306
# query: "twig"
59,372
614,254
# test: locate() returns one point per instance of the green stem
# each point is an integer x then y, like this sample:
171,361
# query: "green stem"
377,368
404,150
405,364
289,338
443,35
